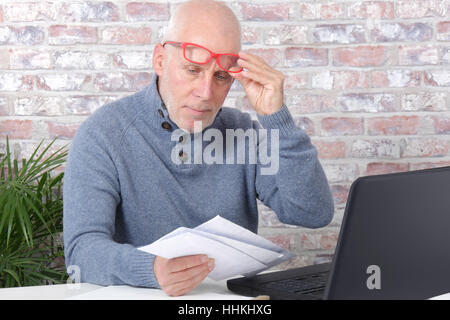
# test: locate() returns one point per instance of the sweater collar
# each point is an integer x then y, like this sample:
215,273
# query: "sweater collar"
156,111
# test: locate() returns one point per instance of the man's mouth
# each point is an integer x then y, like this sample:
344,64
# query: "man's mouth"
197,111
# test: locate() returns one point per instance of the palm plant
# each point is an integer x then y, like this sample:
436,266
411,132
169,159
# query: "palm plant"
31,218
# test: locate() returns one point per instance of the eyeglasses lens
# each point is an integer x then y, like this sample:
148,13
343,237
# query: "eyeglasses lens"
229,63
200,55
196,54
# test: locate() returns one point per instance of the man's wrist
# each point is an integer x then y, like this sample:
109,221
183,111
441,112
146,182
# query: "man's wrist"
281,119
270,111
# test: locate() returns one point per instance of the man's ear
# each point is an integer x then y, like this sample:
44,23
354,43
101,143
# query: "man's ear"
158,59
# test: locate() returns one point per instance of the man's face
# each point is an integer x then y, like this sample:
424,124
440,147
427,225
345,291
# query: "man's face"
194,92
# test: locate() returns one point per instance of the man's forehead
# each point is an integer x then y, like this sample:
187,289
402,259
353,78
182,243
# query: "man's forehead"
216,38
207,23
215,45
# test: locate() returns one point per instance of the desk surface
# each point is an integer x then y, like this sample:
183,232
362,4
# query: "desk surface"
208,290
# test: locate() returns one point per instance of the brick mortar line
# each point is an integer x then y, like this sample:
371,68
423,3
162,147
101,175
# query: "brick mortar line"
269,23
336,115
250,46
291,105
286,70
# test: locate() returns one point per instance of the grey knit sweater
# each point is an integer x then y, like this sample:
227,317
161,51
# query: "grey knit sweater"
123,187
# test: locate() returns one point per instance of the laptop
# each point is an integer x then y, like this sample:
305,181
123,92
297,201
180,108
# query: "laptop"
394,243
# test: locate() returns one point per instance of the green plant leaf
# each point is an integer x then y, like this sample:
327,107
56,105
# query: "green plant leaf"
36,162
10,224
38,166
42,182
25,223
3,197
31,217
16,167
57,179
13,274
31,159
2,167
35,209
8,157
6,212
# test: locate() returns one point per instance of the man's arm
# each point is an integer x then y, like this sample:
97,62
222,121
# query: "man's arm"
91,196
298,192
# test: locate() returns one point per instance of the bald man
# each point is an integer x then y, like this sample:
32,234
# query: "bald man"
133,176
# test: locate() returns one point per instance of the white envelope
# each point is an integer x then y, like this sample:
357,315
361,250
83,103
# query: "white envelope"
236,250
223,227
262,255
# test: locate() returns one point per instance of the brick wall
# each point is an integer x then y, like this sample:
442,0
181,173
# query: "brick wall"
368,80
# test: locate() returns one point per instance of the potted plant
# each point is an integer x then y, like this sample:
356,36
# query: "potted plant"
31,209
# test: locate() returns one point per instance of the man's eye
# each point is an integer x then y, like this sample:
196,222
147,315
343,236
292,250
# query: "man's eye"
223,77
193,70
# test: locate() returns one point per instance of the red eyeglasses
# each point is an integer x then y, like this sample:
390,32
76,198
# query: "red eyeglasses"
200,55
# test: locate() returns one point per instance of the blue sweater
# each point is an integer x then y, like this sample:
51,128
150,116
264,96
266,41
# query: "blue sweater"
122,189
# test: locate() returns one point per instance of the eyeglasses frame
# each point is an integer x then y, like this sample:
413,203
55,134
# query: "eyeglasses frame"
211,54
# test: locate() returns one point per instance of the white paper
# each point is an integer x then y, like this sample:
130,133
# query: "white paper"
445,296
236,250
224,227
262,255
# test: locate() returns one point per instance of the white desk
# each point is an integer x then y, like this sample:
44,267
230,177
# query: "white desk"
207,290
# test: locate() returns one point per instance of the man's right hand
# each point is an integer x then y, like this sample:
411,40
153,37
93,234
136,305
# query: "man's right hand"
178,276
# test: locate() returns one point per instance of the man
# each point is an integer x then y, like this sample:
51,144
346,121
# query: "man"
122,188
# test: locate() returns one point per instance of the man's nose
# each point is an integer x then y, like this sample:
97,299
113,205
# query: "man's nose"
204,87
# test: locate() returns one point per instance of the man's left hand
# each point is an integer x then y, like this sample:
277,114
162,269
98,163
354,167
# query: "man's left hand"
262,84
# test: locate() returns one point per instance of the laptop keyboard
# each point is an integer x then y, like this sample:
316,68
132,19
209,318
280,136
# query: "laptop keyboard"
310,284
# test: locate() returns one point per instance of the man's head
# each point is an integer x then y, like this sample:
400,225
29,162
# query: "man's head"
196,92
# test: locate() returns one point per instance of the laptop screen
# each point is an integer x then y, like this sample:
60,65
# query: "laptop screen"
395,238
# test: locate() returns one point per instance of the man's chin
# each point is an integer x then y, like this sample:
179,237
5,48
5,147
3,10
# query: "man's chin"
195,126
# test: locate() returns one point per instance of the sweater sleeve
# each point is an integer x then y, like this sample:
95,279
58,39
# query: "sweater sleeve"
296,187
91,196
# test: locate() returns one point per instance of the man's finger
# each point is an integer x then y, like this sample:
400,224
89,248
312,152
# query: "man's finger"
256,60
182,263
269,74
186,286
257,76
243,80
192,272
251,66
